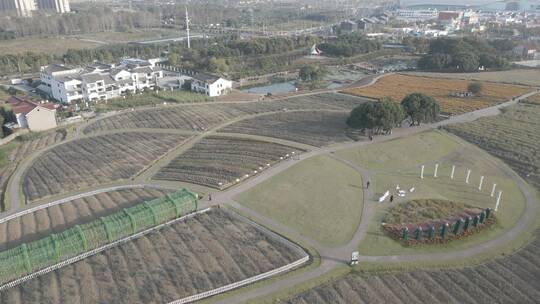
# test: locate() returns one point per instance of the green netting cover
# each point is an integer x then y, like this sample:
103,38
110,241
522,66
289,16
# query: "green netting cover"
27,258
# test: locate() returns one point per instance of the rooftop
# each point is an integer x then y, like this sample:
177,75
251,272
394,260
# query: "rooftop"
22,105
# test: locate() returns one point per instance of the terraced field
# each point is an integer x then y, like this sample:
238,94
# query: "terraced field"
313,128
58,218
221,161
189,257
513,136
205,116
34,144
514,279
92,161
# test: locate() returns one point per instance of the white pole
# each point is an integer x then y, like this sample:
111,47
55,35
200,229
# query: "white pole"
468,175
498,201
493,189
453,170
422,172
436,169
481,182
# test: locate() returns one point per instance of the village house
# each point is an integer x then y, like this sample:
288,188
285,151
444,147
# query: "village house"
35,116
210,85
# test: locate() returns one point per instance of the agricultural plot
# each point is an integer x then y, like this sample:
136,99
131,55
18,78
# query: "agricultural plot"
399,86
312,128
510,280
513,136
189,257
535,99
219,162
519,76
58,218
34,144
205,116
92,161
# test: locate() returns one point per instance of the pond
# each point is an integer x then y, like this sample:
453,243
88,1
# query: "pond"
274,88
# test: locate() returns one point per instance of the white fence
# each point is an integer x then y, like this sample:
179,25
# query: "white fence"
67,199
258,277
238,284
95,251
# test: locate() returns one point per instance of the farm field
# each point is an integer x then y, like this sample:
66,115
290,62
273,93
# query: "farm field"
393,163
58,218
219,161
92,161
189,257
398,86
205,116
135,35
320,197
512,136
512,279
312,128
43,45
529,77
31,144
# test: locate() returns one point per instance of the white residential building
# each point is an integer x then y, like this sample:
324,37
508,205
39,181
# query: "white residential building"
99,81
36,116
210,85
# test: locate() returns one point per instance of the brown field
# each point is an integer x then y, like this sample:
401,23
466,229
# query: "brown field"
200,117
312,128
49,45
58,218
216,160
92,161
512,279
37,143
518,76
186,258
398,86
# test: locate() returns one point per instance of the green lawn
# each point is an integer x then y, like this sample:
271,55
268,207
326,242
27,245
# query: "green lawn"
319,197
481,163
402,153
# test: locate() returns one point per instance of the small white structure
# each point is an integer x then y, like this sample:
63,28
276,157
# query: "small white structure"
384,197
498,201
493,189
211,85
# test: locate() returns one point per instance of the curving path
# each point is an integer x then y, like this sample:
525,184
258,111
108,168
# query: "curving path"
331,258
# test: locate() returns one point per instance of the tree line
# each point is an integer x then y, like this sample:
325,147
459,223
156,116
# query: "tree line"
348,45
384,115
465,54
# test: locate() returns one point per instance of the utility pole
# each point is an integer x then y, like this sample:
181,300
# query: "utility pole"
187,29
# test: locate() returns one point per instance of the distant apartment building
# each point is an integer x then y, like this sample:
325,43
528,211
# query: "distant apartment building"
22,8
58,6
411,15
25,8
99,81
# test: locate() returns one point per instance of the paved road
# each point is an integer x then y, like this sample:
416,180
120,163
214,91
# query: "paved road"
332,258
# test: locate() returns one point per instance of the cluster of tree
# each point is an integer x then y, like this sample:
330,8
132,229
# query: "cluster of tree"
348,45
259,46
384,115
95,19
464,55
312,73
7,35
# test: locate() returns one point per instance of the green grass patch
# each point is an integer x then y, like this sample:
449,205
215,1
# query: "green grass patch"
444,188
422,210
403,152
5,150
319,197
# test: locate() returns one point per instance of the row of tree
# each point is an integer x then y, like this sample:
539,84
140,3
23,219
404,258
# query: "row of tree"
384,115
464,55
